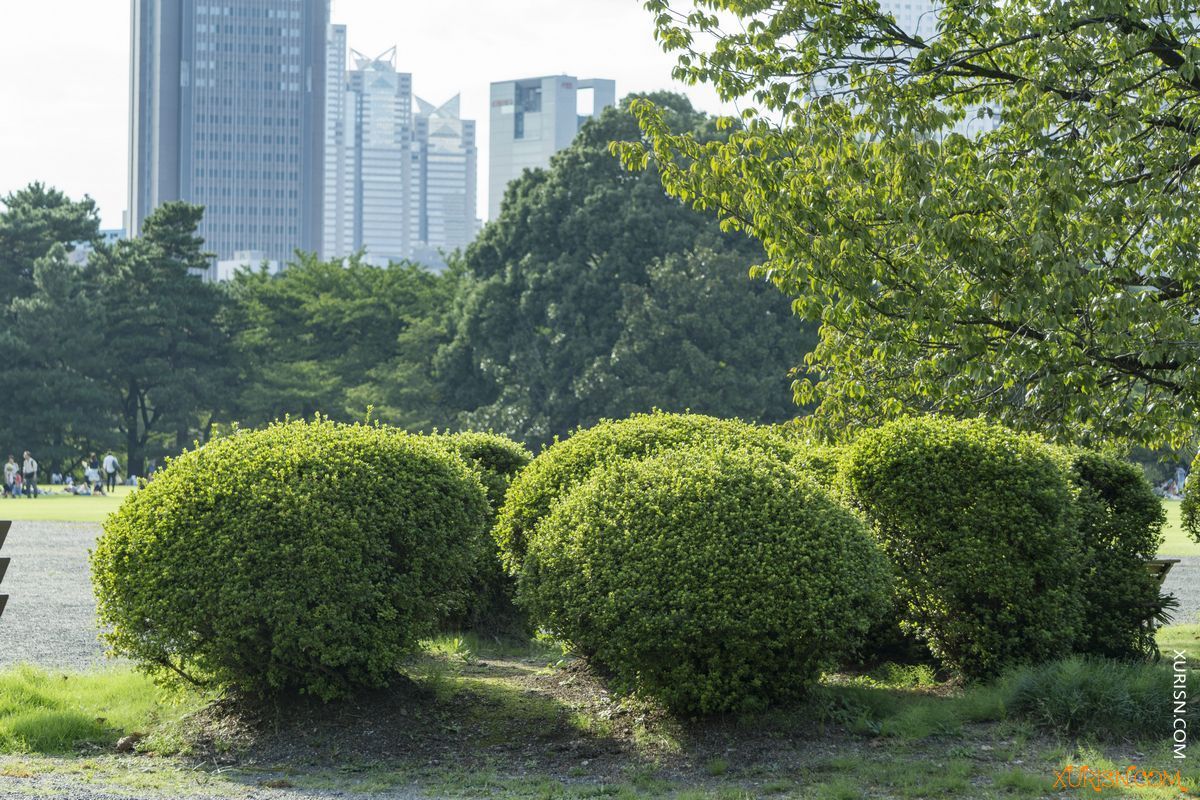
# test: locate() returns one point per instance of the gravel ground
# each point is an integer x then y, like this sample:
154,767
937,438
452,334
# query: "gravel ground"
1184,582
51,615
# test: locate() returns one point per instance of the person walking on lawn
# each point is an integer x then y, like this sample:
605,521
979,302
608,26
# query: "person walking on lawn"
29,470
111,466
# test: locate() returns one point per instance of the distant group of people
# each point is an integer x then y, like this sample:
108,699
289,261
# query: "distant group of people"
99,475
20,479
1173,488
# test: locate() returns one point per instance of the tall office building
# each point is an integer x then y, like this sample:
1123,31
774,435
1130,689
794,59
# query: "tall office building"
399,186
340,129
378,159
534,118
228,111
449,177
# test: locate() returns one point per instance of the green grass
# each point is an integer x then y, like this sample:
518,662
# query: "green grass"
1180,637
54,713
897,732
62,507
1176,543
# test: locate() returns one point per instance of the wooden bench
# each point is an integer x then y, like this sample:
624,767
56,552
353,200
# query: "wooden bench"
1159,567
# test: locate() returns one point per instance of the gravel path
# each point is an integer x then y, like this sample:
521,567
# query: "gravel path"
51,615
1184,582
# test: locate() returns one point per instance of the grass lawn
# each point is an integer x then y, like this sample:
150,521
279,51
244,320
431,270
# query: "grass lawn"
1177,542
523,721
62,507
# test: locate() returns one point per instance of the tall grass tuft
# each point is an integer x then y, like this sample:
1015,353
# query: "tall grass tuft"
1094,698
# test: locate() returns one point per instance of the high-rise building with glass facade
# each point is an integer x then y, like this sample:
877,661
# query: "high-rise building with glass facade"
534,118
228,111
399,185
448,181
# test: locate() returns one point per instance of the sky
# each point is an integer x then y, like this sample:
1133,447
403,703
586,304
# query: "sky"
64,72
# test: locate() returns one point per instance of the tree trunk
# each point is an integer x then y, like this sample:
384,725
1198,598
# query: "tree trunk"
135,456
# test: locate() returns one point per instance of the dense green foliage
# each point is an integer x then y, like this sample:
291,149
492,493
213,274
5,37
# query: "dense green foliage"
341,338
34,220
496,460
1190,508
302,557
990,214
595,295
1120,522
712,579
564,465
161,353
981,532
127,351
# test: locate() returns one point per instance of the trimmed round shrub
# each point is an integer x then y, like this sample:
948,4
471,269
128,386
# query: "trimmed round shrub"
495,458
305,557
566,464
490,607
979,526
1120,523
709,578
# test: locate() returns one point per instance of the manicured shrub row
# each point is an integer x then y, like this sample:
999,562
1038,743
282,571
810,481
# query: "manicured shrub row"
710,578
1007,550
305,557
712,564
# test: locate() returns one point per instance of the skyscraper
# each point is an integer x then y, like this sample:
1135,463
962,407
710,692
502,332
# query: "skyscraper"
449,177
228,111
534,118
399,185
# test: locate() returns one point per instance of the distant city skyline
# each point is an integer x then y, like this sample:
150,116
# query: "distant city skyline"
80,142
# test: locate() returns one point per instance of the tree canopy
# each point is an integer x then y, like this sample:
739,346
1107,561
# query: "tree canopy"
560,290
993,214
340,338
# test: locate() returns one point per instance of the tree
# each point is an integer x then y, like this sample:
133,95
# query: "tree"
546,285
164,358
339,338
993,218
35,219
55,409
699,335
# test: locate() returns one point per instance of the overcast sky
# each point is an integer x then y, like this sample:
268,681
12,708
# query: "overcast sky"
64,72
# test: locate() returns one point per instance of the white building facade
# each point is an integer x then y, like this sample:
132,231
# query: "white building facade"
534,118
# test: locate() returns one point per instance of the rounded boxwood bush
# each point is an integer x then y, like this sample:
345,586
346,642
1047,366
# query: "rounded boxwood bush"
566,464
304,557
495,458
710,578
1120,523
490,607
979,526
